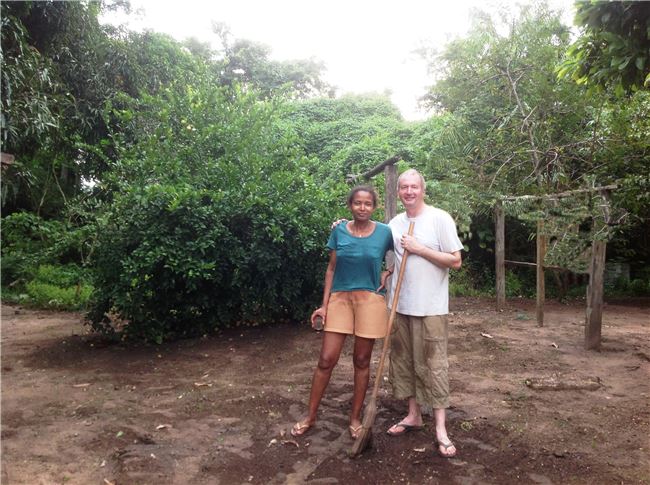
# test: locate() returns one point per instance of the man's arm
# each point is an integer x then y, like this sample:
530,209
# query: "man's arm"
439,258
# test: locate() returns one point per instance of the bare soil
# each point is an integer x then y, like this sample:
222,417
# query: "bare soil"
78,409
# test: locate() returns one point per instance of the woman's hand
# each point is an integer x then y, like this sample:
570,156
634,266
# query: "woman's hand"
384,278
319,312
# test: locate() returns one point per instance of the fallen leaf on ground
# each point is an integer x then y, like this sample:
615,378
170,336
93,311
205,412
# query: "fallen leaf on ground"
486,335
163,426
290,442
420,450
201,384
554,345
272,442
108,482
85,384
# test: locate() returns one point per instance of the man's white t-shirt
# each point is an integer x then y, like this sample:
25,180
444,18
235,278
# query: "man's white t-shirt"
425,287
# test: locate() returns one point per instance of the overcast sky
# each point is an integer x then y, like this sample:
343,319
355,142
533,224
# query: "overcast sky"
367,46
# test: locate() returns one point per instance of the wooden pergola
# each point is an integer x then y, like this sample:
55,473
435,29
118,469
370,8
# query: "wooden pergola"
594,313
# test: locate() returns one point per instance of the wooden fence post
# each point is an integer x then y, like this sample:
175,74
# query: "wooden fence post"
594,320
541,292
499,255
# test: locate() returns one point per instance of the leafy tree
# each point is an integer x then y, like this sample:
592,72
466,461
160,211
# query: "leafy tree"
349,135
512,128
248,63
519,125
614,46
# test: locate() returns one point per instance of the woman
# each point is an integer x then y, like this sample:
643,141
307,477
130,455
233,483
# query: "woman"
353,302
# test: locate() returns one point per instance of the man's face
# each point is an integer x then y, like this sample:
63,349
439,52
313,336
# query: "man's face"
410,192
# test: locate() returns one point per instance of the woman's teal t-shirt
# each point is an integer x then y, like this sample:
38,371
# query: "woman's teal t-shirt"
359,259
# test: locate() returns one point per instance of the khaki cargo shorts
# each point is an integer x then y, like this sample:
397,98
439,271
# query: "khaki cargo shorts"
418,359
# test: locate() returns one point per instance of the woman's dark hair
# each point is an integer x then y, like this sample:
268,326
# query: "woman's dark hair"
364,188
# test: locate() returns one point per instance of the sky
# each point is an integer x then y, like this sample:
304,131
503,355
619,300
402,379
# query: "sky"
366,46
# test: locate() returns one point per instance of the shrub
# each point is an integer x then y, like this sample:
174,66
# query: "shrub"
215,223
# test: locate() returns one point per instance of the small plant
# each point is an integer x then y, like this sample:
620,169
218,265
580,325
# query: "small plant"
466,426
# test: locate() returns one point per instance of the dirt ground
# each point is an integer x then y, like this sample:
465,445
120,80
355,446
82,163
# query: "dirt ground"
77,409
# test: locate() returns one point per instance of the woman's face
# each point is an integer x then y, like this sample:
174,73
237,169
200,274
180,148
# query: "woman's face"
362,206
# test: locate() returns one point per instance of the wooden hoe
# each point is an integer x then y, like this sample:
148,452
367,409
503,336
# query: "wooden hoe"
370,412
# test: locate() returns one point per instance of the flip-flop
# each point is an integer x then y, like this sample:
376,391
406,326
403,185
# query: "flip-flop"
406,428
446,446
300,429
355,431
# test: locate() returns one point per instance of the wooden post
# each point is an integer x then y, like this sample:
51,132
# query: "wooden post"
390,202
499,255
594,319
541,252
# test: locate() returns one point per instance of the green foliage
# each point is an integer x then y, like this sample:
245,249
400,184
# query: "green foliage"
464,282
520,284
348,135
58,288
214,222
29,241
248,63
614,47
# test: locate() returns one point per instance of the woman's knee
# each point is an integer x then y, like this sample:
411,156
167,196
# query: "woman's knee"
362,361
327,362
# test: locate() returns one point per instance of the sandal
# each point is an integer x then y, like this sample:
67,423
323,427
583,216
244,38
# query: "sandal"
406,428
300,429
446,446
355,431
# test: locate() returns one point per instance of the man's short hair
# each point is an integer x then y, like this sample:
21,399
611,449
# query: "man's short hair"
411,171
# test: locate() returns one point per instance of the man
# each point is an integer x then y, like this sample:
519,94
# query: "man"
418,362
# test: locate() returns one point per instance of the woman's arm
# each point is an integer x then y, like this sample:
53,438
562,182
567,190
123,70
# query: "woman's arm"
327,289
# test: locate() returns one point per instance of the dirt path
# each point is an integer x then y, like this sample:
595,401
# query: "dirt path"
78,410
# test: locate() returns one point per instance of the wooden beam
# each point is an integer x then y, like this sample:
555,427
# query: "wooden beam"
594,317
559,195
499,252
541,292
546,266
6,159
373,171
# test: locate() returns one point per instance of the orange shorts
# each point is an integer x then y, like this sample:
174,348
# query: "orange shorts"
362,313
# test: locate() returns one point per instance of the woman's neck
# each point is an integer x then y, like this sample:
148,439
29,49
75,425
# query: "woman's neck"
361,228
362,224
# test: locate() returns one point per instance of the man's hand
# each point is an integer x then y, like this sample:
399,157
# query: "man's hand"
411,244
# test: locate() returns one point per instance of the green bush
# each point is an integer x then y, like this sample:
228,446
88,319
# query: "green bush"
29,241
45,295
215,223
464,282
54,287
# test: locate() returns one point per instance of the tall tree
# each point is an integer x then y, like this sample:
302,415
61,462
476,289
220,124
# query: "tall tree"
613,49
248,63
